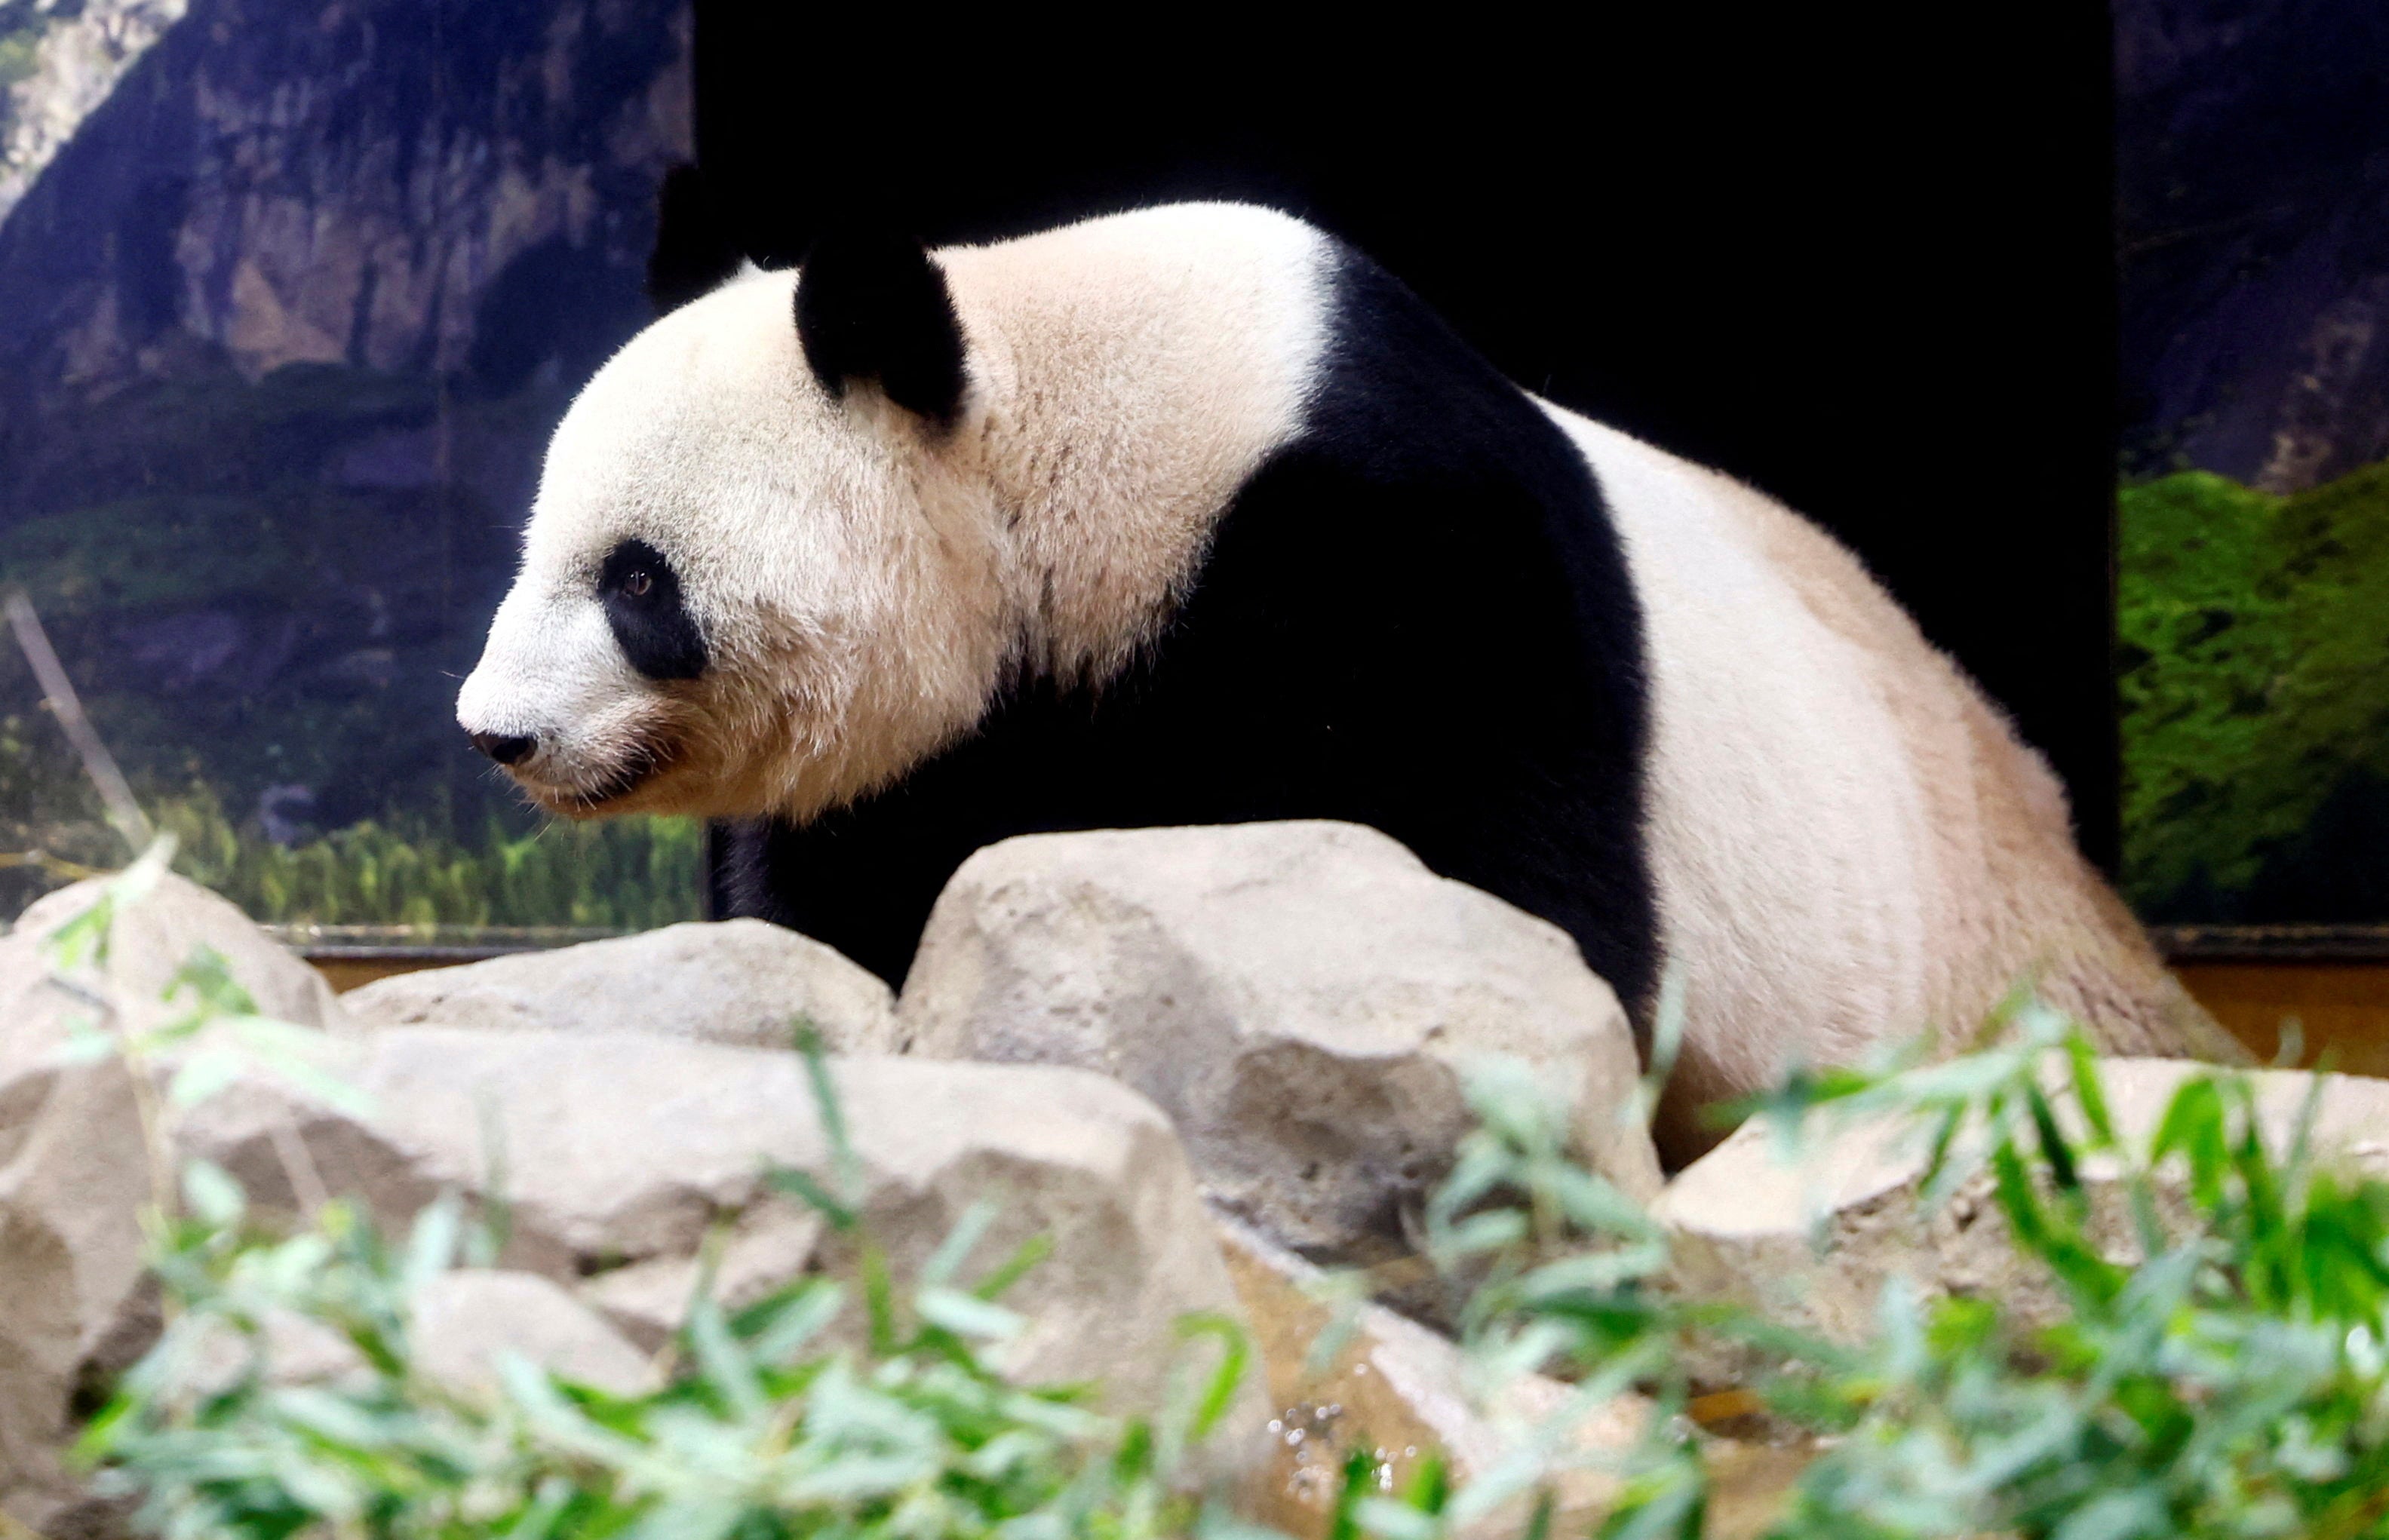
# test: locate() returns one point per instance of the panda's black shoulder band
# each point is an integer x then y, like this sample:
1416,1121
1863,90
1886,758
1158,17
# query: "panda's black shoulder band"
872,306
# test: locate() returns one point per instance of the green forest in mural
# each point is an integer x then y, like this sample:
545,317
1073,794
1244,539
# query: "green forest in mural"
411,867
290,313
2254,681
267,606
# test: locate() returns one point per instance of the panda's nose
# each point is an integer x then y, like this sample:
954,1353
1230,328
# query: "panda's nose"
504,749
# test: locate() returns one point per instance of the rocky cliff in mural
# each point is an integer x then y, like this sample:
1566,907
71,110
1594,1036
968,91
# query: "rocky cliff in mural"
59,60
289,318
2253,227
453,190
2253,153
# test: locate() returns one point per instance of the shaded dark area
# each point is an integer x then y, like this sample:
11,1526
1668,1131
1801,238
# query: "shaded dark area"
1859,257
2331,872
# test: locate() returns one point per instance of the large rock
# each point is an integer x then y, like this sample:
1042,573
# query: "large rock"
1810,1239
73,1173
154,938
648,1300
1300,998
465,1321
617,1151
626,1154
737,981
619,1158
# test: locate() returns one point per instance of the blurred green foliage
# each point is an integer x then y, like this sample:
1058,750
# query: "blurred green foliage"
776,1432
2254,678
2215,1366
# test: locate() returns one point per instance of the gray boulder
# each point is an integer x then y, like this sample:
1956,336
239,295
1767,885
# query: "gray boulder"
741,982
73,1168
461,1324
1301,1000
152,940
465,1321
620,1155
648,1300
618,1151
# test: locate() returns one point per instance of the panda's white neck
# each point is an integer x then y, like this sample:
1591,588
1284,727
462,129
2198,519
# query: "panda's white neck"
1134,373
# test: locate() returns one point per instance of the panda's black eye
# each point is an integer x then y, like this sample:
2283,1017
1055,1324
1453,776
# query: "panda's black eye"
642,596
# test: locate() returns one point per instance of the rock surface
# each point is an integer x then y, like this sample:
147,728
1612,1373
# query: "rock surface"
1811,1241
307,224
153,939
1301,998
364,247
466,1320
620,1156
460,1325
73,1173
740,982
614,1150
2251,171
77,56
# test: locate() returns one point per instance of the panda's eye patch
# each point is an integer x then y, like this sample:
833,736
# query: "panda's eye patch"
641,594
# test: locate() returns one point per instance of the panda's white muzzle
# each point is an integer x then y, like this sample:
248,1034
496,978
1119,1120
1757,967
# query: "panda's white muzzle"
554,702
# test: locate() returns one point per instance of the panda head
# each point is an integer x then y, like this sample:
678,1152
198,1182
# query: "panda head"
759,575
799,533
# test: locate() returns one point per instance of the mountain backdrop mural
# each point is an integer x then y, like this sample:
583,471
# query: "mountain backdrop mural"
291,314
2253,245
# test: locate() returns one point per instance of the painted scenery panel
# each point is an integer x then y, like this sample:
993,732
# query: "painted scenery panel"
295,290
2252,579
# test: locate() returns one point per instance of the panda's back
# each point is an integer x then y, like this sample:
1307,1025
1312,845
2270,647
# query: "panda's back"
1846,837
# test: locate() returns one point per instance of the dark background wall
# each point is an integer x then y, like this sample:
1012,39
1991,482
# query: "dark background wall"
1864,262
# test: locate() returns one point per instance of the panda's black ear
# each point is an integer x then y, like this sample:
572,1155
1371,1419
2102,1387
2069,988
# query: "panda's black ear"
695,250
872,306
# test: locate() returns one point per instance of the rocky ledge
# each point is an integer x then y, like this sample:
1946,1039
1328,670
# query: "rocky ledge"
1200,1063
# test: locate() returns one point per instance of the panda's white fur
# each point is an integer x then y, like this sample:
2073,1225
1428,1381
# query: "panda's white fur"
1847,841
866,588
1848,838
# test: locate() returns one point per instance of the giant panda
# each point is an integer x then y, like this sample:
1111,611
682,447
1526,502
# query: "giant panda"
1195,514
